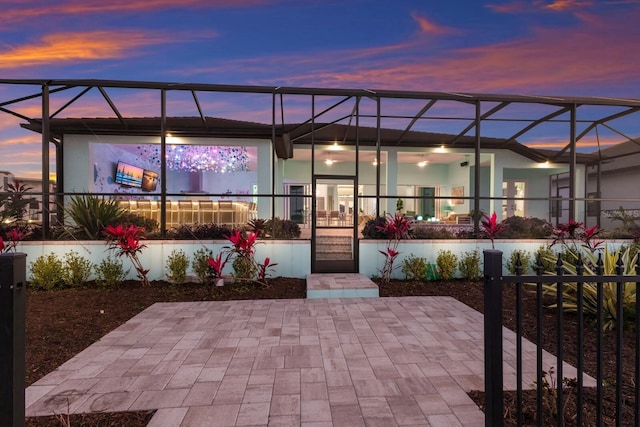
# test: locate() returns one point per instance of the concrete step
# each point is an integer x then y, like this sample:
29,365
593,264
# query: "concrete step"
330,240
328,256
333,248
340,285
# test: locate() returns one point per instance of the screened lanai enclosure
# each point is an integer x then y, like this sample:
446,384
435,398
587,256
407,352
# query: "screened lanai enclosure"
327,159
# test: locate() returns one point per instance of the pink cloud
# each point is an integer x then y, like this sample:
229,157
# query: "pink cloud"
429,27
565,5
36,9
69,47
584,55
522,6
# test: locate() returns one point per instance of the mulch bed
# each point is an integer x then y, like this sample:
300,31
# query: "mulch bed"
62,323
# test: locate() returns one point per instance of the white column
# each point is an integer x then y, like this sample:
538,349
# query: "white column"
391,180
264,179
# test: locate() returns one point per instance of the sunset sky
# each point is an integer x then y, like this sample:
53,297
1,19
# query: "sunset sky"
570,47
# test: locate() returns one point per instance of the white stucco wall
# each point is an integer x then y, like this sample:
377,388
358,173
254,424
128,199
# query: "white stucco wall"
293,256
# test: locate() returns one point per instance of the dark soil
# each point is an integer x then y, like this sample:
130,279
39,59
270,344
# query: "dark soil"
62,323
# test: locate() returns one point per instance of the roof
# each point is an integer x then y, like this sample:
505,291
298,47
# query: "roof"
555,109
298,134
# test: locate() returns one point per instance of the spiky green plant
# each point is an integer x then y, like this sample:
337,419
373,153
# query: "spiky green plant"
89,215
610,259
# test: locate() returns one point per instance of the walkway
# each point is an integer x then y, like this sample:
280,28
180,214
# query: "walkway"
322,362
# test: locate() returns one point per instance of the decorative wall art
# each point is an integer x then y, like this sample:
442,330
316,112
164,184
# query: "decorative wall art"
457,192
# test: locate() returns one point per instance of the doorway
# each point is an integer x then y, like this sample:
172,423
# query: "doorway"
334,238
297,204
513,193
427,202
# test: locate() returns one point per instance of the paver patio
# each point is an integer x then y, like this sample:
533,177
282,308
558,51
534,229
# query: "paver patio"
320,362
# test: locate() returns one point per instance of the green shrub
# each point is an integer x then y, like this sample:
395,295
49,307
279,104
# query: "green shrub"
469,265
517,227
110,272
414,268
150,225
200,265
430,232
90,215
77,269
525,261
374,228
277,228
244,267
432,272
446,262
546,256
46,272
177,264
208,231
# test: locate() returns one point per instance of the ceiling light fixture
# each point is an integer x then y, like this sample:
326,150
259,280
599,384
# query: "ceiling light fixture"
423,162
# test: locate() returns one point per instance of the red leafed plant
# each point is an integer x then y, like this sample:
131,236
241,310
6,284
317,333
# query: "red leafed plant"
263,269
243,244
216,265
11,240
395,228
126,241
492,227
244,266
571,233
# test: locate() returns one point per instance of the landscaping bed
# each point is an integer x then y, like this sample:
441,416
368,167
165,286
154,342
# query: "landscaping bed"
61,323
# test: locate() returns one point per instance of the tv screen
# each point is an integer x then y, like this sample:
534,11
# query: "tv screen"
127,174
149,180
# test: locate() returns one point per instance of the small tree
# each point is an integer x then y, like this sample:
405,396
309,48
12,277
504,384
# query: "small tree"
127,242
395,228
492,227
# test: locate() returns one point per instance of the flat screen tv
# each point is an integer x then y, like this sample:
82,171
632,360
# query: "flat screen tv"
149,180
127,174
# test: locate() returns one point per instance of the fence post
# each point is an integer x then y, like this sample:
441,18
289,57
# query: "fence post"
493,379
13,271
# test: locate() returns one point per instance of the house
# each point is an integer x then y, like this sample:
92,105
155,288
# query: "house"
326,158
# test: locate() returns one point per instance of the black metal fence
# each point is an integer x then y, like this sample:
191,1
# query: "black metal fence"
619,386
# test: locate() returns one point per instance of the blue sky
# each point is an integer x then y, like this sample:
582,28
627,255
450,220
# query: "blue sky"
570,47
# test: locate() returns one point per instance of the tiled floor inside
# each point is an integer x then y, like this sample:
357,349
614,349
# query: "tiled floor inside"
323,362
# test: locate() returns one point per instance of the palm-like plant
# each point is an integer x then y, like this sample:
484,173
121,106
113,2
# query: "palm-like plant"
90,215
590,261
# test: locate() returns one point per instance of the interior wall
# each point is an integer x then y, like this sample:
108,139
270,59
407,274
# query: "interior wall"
91,161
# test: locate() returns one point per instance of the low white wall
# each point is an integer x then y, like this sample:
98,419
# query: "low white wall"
293,256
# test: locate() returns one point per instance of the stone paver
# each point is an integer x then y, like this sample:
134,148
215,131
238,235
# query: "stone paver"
355,361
